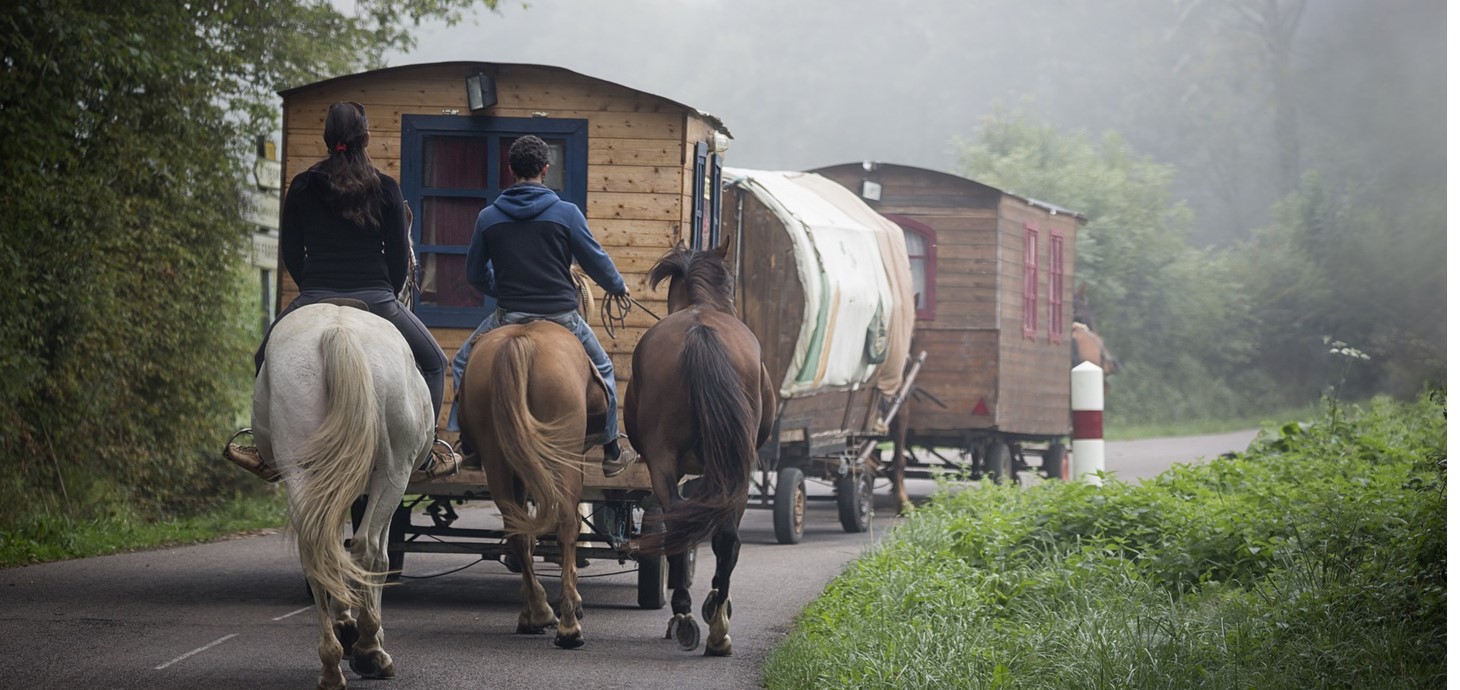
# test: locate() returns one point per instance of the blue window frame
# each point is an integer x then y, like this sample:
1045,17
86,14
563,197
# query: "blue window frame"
451,168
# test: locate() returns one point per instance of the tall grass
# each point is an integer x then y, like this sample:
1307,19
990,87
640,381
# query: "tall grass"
56,535
1315,559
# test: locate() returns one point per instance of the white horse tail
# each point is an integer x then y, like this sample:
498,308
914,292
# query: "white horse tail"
335,465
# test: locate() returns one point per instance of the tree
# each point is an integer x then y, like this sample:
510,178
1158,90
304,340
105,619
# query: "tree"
1171,313
125,352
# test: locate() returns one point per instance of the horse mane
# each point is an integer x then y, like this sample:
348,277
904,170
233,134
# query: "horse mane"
708,280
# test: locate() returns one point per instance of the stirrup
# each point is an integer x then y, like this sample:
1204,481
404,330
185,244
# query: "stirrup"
442,462
248,458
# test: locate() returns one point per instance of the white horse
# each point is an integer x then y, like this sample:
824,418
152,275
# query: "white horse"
340,409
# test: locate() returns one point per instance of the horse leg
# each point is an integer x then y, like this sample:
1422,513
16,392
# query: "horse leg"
717,609
331,652
570,604
536,615
682,625
899,462
367,655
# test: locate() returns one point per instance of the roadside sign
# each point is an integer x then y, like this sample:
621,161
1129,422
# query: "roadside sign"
261,208
267,174
265,252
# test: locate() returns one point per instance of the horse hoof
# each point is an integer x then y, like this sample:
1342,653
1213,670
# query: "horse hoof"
686,632
530,629
707,611
723,650
376,664
568,641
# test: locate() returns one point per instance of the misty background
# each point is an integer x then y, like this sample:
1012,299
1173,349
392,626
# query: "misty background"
1263,178
1189,83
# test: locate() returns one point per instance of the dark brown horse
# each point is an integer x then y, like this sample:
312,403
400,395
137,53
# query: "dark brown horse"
699,403
529,400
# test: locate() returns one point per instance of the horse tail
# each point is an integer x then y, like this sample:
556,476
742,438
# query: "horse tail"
533,449
722,414
336,463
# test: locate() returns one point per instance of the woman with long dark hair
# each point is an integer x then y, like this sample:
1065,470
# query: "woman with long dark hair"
344,234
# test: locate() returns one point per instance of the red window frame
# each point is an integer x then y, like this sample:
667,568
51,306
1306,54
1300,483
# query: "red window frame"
927,309
1031,280
1056,287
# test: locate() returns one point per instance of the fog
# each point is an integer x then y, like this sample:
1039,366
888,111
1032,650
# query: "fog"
1188,82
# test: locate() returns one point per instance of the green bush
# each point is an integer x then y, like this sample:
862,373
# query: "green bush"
1314,559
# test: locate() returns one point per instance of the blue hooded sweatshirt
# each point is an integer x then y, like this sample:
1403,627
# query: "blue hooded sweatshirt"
523,248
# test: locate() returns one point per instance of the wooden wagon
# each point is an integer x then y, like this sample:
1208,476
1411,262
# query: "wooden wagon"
643,169
824,283
992,271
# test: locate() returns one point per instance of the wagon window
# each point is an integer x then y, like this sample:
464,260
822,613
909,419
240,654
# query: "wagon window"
922,257
1056,288
451,167
1031,280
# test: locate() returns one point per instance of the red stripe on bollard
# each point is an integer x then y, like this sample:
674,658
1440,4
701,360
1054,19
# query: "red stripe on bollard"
1089,425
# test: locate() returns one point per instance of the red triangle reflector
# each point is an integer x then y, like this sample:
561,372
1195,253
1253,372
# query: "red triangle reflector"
981,409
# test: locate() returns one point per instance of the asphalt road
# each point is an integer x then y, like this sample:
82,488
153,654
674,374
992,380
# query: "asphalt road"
235,614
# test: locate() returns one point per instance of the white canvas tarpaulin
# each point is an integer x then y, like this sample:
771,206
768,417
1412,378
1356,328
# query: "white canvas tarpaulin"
853,268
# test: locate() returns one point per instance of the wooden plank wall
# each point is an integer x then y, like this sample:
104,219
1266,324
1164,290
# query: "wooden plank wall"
638,161
769,296
1034,382
975,344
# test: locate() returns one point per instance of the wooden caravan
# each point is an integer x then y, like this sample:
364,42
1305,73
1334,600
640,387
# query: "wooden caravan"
823,282
643,169
632,161
992,273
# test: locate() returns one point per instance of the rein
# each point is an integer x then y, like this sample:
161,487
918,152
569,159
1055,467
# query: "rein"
614,312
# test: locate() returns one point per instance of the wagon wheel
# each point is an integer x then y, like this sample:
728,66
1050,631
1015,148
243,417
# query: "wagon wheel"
854,500
1054,461
653,581
998,463
790,506
396,555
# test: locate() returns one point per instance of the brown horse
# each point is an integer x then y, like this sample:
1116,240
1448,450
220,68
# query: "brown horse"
700,402
1085,344
529,401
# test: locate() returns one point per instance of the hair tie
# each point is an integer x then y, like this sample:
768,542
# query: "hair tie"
341,147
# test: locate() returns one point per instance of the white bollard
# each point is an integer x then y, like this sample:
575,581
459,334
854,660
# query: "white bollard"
1087,439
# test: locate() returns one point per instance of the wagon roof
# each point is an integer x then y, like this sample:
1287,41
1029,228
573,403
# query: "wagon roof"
877,165
711,119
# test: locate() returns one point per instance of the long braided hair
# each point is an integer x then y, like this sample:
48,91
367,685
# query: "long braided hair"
354,187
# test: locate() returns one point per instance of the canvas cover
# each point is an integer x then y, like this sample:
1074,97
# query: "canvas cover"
853,268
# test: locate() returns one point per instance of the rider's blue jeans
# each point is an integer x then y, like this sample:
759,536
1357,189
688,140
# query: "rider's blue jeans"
570,320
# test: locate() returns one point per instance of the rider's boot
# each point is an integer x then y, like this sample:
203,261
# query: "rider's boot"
616,459
442,462
248,458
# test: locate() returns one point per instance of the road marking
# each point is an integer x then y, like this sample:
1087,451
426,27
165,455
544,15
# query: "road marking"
293,613
210,645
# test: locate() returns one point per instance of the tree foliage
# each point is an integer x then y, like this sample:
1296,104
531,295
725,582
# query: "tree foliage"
123,129
1167,311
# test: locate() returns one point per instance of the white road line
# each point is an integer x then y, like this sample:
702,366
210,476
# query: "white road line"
293,613
210,645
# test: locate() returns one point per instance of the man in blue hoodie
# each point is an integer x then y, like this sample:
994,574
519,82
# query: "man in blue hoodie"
522,253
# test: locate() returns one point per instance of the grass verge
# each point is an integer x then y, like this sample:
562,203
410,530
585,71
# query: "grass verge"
1315,559
1127,432
51,537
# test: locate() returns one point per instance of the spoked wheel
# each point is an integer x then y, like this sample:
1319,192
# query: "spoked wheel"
854,500
790,506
